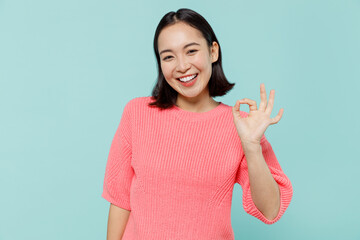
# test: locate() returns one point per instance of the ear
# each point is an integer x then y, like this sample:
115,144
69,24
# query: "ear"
214,51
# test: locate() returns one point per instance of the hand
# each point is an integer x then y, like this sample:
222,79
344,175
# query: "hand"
252,127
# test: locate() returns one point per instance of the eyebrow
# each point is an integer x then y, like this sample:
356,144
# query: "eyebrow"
187,45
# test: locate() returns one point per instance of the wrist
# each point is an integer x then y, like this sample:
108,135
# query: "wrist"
251,147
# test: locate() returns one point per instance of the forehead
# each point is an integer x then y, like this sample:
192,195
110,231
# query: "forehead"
178,35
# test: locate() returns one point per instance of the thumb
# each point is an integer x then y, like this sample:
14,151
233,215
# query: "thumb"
236,108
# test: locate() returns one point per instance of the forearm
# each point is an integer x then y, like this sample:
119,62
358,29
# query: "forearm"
264,189
118,218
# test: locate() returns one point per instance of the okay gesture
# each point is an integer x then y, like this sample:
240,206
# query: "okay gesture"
252,127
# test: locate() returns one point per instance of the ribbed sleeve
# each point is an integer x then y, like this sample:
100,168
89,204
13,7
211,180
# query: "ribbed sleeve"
118,173
284,183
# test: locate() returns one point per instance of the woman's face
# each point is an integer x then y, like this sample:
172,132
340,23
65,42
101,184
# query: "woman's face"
186,60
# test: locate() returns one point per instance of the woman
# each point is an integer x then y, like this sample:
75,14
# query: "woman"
176,155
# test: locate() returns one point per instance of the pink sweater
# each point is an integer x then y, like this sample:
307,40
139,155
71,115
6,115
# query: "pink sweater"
175,170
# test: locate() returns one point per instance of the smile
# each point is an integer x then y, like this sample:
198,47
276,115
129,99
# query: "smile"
188,81
188,78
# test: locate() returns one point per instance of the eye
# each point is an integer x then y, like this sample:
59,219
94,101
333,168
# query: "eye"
192,51
166,58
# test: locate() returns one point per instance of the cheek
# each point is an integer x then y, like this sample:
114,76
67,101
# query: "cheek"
165,70
202,62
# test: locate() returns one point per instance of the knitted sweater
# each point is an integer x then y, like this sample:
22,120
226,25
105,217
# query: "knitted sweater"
175,171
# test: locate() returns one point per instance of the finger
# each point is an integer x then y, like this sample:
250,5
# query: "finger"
277,118
251,103
270,105
263,97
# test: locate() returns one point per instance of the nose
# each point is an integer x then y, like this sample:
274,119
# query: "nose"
182,64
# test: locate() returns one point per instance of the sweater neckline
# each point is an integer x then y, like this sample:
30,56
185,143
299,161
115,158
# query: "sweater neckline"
197,116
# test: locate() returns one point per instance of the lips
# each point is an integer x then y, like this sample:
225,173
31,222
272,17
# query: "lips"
190,82
187,78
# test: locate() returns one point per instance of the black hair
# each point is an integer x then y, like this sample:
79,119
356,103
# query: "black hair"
163,94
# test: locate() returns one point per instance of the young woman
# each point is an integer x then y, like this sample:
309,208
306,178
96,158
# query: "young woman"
177,154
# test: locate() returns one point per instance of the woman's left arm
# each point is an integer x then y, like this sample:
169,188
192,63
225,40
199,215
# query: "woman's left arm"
261,166
265,191
256,185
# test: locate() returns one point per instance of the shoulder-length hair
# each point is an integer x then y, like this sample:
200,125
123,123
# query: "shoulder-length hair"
163,94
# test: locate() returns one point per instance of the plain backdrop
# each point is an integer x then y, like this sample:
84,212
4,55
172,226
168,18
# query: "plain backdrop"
67,69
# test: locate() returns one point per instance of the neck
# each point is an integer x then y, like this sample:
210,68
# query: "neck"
197,104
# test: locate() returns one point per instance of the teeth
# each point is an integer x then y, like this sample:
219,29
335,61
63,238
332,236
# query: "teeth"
189,78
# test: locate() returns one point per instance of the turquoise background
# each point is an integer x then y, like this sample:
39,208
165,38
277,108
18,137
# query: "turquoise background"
67,69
